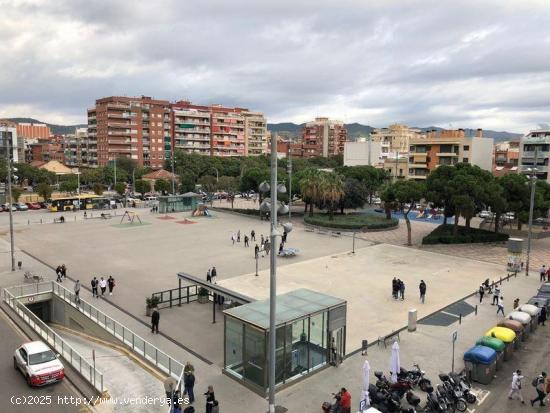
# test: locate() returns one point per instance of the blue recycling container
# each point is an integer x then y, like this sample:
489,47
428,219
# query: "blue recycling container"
480,363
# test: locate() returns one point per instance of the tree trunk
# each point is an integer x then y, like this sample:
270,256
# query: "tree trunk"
444,219
387,209
455,228
468,222
519,224
497,221
311,209
407,220
342,210
305,209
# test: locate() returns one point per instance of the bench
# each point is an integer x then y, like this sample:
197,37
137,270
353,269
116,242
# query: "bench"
106,216
392,335
335,234
58,220
309,229
322,231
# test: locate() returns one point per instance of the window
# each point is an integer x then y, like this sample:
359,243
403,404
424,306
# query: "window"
466,147
465,160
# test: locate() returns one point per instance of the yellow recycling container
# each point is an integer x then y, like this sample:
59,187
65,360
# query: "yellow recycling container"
508,336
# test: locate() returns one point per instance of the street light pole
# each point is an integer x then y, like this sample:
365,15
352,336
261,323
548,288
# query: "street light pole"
10,204
173,175
532,180
289,169
272,276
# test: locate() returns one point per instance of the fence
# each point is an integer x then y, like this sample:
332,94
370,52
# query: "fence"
58,344
176,296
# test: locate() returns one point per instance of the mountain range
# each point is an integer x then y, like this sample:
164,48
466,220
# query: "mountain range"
292,130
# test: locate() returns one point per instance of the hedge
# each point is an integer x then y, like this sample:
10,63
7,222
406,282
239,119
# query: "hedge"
248,211
351,221
443,234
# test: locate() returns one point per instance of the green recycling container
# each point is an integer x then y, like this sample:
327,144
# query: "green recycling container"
497,345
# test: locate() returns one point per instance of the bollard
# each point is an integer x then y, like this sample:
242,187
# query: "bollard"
75,218
500,280
40,220
475,310
412,320
460,318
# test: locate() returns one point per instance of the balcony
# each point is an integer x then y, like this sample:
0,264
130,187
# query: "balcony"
418,165
120,106
540,154
118,125
121,115
447,154
540,168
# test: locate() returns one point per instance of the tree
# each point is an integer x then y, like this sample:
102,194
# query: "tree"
439,191
253,177
44,190
98,188
496,201
16,193
187,180
163,186
207,183
309,188
229,184
120,187
372,178
355,195
407,194
142,186
68,186
516,193
331,190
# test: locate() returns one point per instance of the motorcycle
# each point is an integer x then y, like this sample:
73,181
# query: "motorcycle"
435,402
386,402
461,381
453,393
399,388
336,407
416,377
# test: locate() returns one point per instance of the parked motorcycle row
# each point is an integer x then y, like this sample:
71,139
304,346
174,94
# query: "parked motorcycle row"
452,394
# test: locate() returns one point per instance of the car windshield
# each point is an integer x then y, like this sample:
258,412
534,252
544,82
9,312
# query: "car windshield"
39,358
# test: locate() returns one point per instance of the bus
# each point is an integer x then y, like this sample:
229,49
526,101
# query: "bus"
82,202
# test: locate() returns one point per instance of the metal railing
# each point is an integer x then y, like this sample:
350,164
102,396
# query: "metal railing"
77,361
176,296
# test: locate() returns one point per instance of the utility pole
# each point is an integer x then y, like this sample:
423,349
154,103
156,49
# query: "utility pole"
10,204
532,182
369,149
173,175
115,169
289,170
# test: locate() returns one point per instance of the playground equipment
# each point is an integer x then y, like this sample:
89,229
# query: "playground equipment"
130,216
201,211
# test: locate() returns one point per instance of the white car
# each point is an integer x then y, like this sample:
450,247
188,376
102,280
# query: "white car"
38,363
485,214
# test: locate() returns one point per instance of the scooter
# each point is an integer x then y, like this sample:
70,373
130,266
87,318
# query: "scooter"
453,393
416,377
461,382
336,407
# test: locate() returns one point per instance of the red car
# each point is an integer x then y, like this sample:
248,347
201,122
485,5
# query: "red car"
33,205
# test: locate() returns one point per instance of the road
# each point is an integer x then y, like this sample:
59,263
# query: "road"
16,396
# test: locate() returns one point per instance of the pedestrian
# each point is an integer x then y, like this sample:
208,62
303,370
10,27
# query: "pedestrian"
233,236
543,273
58,272
189,383
246,241
500,305
422,288
267,247
345,400
77,291
281,246
253,235
394,288
85,215
481,293
103,286
111,284
284,236
548,274
496,295
542,315
188,368
155,318
402,289
209,276
214,273
516,303
540,386
256,251
239,236
210,399
170,384
516,387
63,271
262,239
94,286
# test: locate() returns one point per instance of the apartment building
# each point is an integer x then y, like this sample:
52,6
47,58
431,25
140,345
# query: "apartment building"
362,152
535,153
394,140
505,158
73,147
128,127
323,137
448,147
34,131
8,139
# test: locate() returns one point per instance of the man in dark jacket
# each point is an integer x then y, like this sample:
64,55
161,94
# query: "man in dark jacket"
422,288
542,315
540,388
94,287
189,383
155,318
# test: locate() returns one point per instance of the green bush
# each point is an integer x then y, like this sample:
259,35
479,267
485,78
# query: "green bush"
352,221
443,234
248,211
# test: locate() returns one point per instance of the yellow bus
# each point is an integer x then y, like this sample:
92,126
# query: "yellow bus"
84,201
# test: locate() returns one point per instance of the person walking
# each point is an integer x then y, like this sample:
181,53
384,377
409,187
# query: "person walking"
103,286
402,289
210,399
516,303
246,241
422,288
267,247
256,251
155,318
496,295
111,284
189,383
543,273
542,316
213,273
170,384
76,290
239,236
394,288
63,271
481,293
285,234
58,272
515,390
94,287
500,305
233,236
209,276
540,386
253,235
262,239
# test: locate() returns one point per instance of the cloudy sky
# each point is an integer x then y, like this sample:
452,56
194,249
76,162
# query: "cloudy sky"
460,63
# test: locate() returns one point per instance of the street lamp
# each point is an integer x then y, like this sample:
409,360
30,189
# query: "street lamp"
10,204
532,182
289,170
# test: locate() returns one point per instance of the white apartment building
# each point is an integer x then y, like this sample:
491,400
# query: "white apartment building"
362,153
535,141
394,139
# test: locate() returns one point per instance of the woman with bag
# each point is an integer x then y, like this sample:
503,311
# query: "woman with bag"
210,399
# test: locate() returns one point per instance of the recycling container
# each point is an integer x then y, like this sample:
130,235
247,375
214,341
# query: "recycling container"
507,336
497,345
524,319
516,327
534,312
481,363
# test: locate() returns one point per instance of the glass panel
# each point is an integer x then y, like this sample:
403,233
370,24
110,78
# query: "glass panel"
254,356
318,340
283,351
234,346
298,355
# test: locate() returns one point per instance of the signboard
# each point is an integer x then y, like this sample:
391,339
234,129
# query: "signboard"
455,336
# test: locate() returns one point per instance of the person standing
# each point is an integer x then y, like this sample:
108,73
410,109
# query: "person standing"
262,239
256,251
155,319
515,390
94,287
209,276
542,315
58,272
103,286
233,236
542,272
63,271
189,383
402,289
111,284
481,293
345,400
516,303
77,291
214,273
394,288
169,387
500,305
246,241
540,387
422,288
239,236
253,235
496,295
210,398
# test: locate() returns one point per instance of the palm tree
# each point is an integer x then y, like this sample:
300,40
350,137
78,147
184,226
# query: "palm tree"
331,191
309,188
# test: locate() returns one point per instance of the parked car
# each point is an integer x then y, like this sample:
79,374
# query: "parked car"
21,206
544,290
43,205
33,205
6,209
38,363
485,214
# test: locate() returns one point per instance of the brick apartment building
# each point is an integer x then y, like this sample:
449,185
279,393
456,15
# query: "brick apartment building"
505,158
321,137
34,131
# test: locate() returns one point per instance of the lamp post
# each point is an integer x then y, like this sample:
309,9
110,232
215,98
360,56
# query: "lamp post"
532,182
289,170
173,174
10,204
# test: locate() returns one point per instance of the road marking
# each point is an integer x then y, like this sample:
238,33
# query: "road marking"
451,314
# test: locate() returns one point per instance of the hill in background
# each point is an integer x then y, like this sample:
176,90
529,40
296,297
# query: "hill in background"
56,129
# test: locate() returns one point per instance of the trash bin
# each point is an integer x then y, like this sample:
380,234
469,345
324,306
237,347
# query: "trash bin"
481,361
534,312
524,319
497,345
507,336
516,327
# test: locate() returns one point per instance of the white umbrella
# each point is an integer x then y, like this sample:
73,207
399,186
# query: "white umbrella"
366,380
395,364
